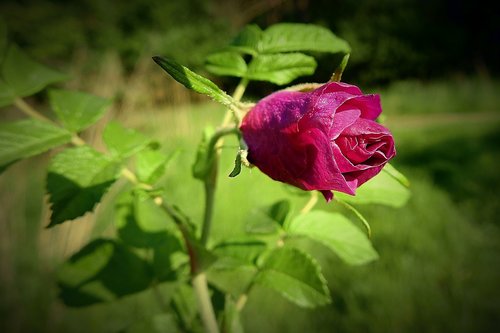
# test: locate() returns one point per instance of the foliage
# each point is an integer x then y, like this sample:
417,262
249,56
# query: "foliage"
155,240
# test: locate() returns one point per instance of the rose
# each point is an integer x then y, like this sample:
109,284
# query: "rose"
325,139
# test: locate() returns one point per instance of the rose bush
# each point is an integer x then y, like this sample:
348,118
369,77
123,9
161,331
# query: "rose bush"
325,139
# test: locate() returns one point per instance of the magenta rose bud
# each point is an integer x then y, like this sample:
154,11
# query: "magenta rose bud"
326,139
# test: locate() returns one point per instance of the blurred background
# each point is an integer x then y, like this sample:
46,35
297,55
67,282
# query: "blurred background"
435,64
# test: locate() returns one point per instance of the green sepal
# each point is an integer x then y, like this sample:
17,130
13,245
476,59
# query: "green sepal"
194,81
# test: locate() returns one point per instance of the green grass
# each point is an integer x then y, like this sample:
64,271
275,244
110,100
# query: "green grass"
439,256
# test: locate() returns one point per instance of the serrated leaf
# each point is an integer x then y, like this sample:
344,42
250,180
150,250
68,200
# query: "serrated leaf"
77,110
296,276
226,63
235,266
193,81
27,138
280,68
247,40
382,189
243,250
24,76
267,219
337,233
122,141
103,270
140,222
290,37
150,164
77,179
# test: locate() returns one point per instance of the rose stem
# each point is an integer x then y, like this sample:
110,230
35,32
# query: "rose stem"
200,280
310,203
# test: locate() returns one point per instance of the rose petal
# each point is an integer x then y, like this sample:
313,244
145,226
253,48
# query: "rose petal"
342,120
337,87
369,105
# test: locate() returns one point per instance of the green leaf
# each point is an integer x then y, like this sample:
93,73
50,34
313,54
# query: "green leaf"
231,319
122,141
335,232
280,68
268,219
382,189
290,37
393,172
140,222
150,164
77,110
24,76
168,258
231,279
77,180
103,270
158,323
226,63
235,266
243,250
3,40
204,158
193,81
7,95
296,276
185,307
27,138
247,40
